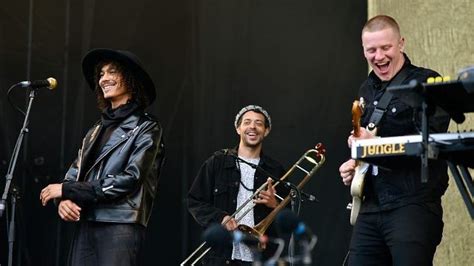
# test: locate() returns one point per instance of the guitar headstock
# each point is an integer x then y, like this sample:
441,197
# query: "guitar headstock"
357,110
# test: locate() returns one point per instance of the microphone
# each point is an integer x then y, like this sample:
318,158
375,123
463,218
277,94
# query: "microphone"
288,223
251,241
303,231
216,236
49,83
309,197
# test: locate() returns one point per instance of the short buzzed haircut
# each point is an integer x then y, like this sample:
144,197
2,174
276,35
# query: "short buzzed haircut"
381,22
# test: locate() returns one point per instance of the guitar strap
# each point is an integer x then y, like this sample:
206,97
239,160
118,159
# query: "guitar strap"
382,104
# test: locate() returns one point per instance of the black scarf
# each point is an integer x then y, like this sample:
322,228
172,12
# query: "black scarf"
114,116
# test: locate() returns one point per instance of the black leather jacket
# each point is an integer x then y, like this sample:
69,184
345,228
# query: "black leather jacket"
120,184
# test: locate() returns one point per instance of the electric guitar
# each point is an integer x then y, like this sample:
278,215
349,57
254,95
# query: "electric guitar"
357,185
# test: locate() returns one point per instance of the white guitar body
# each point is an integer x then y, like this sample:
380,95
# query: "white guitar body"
357,185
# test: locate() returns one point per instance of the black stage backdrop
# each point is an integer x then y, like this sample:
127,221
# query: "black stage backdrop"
301,60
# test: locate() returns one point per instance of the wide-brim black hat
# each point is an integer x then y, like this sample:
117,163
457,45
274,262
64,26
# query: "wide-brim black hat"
127,59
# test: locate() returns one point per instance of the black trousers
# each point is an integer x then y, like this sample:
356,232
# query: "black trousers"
405,236
107,244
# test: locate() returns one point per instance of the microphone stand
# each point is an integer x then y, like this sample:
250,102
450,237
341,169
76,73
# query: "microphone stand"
295,196
308,246
9,178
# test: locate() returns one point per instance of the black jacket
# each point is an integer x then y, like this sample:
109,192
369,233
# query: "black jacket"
120,184
399,183
213,194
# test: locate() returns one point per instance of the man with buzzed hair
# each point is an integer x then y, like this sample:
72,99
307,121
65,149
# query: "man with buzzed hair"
223,183
400,221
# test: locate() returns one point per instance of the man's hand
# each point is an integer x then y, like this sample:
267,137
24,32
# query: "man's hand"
51,192
363,134
267,197
347,171
69,211
231,225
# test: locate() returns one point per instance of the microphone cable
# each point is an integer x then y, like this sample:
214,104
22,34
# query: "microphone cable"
16,107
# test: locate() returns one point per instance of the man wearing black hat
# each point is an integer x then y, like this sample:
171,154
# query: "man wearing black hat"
109,189
225,182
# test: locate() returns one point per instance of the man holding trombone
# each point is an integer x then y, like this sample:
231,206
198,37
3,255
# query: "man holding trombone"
225,182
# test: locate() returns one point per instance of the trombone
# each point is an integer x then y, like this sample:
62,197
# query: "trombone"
315,157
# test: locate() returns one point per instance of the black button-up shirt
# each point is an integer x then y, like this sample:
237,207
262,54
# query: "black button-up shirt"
398,183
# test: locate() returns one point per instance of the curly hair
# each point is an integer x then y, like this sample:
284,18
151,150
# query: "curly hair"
130,79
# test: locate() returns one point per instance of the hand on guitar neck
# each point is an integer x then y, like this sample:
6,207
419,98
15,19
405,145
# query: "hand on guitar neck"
363,134
359,132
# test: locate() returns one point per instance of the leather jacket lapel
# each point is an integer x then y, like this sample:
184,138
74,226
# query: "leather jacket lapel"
89,141
121,134
85,150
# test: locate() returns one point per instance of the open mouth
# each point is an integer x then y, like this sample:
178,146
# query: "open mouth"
107,88
383,67
252,135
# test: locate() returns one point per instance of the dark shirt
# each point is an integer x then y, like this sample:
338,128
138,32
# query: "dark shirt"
398,183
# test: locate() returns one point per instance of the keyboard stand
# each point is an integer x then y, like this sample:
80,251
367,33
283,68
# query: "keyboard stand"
465,184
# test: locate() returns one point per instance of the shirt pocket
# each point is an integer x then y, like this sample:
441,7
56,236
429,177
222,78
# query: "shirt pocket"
398,107
221,196
399,119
